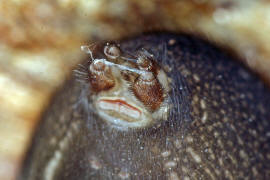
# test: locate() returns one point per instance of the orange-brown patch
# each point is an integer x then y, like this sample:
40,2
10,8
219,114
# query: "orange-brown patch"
150,94
101,82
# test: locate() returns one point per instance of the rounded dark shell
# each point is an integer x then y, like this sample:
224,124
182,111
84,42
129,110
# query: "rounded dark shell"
218,128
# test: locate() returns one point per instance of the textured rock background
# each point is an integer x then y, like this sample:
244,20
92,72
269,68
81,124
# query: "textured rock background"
40,43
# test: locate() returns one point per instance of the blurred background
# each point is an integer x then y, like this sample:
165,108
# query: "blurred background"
40,45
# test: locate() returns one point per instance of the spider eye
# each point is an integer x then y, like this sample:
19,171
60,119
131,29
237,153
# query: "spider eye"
112,51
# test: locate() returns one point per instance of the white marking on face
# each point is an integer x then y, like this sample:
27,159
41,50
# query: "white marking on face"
129,112
122,113
121,107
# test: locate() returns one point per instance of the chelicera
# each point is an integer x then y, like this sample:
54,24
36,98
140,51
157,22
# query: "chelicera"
126,91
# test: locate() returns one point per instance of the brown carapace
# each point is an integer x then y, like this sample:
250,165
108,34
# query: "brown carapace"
115,76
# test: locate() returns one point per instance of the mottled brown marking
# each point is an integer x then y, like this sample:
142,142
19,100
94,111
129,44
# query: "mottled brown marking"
149,92
100,77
